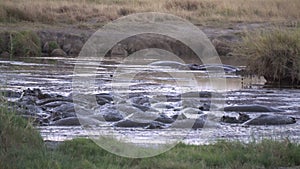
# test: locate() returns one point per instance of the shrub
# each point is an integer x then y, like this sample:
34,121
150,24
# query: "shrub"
24,43
274,54
53,45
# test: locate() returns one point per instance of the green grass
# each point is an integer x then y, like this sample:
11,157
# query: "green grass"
22,147
274,54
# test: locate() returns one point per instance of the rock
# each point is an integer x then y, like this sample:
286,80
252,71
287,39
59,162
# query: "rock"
76,47
58,53
251,108
67,47
267,119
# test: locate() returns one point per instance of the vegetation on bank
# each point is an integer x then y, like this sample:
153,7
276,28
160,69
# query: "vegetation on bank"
95,12
274,54
22,147
20,43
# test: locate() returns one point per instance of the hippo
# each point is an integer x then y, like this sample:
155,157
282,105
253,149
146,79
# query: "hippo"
191,110
103,98
165,119
162,106
251,108
267,119
110,113
70,121
75,121
170,64
214,67
241,119
193,123
140,123
49,100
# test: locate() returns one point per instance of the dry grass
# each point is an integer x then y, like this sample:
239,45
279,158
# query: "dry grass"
91,11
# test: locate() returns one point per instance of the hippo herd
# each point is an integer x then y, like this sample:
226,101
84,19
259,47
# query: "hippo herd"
137,110
203,67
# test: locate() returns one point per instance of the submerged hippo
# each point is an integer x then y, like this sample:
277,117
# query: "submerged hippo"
75,121
264,119
201,122
170,64
140,123
267,119
214,67
241,119
251,108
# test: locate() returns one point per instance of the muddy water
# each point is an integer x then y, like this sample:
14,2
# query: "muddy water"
54,75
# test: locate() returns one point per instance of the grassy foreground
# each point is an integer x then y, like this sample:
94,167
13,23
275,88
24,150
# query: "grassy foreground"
22,147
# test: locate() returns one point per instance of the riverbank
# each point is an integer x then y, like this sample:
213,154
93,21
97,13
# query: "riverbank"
67,24
67,40
25,149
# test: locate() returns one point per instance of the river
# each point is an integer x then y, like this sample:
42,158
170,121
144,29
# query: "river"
55,75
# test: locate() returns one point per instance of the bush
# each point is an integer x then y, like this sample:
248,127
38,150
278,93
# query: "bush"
274,54
25,44
53,45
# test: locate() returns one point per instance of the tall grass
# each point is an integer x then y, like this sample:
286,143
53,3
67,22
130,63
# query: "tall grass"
91,11
274,54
